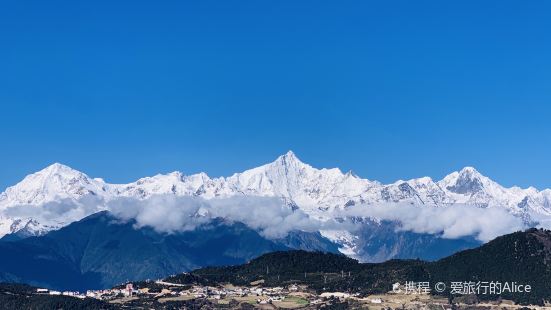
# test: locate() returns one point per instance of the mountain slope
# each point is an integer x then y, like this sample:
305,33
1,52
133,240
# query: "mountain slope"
99,252
381,241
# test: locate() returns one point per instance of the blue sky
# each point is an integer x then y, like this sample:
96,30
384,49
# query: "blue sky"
389,89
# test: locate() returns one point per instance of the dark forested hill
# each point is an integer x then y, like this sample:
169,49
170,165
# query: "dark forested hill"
99,252
521,257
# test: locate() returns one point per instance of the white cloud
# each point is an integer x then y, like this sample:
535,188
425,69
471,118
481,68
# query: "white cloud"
63,211
273,219
451,222
168,213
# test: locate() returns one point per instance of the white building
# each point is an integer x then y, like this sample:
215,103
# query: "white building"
335,294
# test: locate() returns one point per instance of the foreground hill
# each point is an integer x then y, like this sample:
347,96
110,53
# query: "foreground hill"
521,257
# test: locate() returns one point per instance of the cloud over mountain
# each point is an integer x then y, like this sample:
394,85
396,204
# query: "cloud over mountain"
169,213
451,222
273,219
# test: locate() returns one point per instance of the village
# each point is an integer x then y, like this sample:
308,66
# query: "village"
291,296
256,296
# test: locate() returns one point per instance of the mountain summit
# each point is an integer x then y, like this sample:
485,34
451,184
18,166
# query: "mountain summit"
466,181
52,183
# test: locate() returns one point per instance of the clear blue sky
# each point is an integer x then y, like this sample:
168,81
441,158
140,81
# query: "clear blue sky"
389,89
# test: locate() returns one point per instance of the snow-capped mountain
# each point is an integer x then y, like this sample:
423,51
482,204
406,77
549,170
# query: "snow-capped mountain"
317,192
53,183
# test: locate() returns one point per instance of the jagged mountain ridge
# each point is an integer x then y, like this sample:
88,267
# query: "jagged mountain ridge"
318,192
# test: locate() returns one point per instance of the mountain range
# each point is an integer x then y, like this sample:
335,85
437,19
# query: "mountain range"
59,195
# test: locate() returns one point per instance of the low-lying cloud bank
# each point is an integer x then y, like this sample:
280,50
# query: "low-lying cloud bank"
272,218
167,213
57,213
451,222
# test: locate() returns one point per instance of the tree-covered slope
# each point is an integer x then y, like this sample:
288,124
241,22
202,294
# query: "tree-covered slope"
521,257
99,252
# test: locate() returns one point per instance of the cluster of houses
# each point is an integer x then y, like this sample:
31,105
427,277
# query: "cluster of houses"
45,291
98,294
127,291
262,295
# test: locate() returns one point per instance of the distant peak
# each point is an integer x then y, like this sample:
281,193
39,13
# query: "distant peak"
469,170
466,181
57,167
289,154
288,157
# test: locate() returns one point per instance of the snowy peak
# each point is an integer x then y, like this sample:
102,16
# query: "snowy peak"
467,181
54,182
470,173
287,166
315,191
288,158
56,170
278,178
